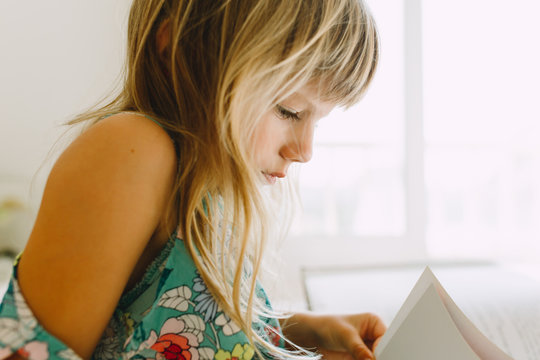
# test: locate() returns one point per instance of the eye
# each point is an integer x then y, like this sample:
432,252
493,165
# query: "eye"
286,113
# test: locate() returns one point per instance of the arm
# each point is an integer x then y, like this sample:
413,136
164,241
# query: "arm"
102,203
335,336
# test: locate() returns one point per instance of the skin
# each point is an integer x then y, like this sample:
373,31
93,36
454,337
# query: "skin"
336,337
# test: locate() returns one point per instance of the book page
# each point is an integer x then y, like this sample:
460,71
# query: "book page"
426,332
503,305
516,328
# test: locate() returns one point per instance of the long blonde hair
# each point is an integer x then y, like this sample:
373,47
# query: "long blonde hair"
228,62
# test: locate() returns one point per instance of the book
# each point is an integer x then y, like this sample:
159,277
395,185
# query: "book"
502,300
430,326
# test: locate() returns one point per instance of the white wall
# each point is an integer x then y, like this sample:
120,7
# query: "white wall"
57,58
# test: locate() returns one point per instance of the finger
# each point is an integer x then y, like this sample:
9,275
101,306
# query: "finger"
375,329
378,330
356,346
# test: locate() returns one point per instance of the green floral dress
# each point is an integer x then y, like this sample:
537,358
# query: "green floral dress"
169,314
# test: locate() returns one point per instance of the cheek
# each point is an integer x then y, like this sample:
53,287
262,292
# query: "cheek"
265,139
257,142
260,144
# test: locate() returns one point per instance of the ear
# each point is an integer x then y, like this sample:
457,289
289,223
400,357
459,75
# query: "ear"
163,37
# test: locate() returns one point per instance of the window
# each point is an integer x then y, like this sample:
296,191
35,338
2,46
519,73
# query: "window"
442,157
482,128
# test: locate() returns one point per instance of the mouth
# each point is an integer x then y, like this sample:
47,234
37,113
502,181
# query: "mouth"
271,178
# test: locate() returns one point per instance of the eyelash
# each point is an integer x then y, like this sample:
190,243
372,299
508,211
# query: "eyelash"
286,114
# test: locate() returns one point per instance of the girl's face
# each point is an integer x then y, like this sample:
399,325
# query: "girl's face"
285,134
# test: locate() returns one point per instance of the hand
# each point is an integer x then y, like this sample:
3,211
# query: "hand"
336,337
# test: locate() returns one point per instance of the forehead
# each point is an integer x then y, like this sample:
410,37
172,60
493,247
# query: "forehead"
308,97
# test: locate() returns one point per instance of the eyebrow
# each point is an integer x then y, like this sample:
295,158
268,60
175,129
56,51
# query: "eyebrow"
310,105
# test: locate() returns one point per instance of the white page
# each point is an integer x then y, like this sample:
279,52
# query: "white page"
502,304
426,332
516,328
417,292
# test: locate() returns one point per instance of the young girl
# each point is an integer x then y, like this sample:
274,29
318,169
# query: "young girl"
153,223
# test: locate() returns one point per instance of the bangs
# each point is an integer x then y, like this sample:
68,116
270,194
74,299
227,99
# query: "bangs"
331,43
351,49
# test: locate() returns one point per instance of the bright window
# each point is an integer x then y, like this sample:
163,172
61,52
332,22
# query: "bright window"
442,157
482,127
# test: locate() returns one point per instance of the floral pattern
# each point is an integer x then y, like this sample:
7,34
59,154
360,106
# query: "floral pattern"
37,350
21,333
174,346
273,333
205,301
169,315
240,352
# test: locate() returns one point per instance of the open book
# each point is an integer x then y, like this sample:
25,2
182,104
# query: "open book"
501,300
430,326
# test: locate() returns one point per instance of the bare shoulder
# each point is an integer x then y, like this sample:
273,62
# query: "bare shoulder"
125,155
102,203
144,139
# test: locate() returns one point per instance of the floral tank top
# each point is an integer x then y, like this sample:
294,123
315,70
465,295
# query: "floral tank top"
169,314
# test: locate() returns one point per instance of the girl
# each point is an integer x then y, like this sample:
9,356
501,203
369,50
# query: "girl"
153,223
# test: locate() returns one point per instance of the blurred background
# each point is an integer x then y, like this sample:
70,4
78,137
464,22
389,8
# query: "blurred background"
439,162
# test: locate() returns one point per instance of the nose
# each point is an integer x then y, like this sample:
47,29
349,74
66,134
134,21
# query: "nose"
299,147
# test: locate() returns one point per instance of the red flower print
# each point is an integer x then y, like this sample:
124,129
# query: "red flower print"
37,350
173,347
23,353
177,341
273,335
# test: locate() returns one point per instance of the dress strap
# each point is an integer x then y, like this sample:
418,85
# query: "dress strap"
151,118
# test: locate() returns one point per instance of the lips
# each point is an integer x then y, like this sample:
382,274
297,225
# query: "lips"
272,177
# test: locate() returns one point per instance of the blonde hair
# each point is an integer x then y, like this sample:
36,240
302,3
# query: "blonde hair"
228,62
